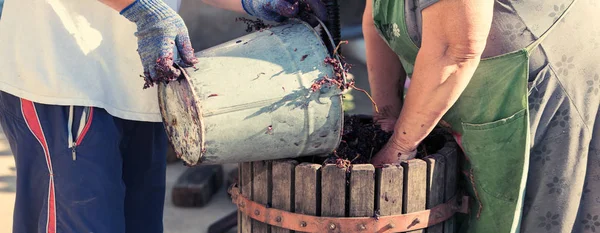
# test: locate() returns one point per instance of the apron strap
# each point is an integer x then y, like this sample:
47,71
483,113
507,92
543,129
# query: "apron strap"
537,42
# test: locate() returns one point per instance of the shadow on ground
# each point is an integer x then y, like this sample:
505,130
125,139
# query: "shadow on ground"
8,184
4,146
8,179
5,152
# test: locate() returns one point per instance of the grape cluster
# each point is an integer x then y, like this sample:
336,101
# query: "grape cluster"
339,72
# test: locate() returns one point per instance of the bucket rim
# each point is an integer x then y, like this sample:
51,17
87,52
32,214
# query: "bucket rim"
183,77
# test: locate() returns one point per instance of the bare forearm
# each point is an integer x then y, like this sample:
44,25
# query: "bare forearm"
117,5
435,86
450,53
232,5
385,72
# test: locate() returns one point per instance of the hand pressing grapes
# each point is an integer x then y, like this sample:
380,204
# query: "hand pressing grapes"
393,153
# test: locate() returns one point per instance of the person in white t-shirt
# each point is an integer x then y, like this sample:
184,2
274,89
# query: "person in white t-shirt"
85,130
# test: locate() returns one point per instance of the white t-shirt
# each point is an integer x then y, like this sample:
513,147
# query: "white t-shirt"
74,52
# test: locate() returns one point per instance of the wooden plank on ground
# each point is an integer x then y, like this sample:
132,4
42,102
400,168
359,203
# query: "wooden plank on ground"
307,190
246,187
415,187
333,191
362,191
436,166
390,182
260,191
283,188
451,157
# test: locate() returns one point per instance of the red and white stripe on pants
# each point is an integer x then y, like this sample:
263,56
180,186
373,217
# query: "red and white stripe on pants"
33,122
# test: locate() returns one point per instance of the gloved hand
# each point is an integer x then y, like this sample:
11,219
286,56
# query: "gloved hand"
159,30
279,10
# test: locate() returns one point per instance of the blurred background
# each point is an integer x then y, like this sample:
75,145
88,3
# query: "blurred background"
209,26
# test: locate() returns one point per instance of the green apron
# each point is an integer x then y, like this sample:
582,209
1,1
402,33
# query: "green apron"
490,121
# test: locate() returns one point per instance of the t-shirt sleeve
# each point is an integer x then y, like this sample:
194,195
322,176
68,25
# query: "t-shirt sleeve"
422,4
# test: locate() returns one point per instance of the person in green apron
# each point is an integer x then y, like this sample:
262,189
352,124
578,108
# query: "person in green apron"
516,82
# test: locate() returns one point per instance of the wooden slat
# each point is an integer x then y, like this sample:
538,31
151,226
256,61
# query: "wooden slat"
451,181
415,187
260,191
436,166
362,191
307,193
389,187
283,188
246,187
333,191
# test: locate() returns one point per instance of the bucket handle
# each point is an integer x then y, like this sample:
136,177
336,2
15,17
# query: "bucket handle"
333,45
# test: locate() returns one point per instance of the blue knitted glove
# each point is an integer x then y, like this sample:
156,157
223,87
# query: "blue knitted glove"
279,10
159,30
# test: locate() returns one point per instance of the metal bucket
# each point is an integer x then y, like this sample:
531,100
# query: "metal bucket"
250,99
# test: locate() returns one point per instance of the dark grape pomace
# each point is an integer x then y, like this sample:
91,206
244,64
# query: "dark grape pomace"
362,139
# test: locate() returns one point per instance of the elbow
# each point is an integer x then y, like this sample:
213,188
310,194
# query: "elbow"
367,17
466,52
368,28
367,23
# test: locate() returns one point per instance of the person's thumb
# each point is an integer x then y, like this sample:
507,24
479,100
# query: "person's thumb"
185,49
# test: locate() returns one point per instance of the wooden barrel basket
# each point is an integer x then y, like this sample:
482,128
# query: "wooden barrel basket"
283,196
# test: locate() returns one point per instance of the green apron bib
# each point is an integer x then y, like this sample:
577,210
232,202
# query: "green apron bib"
490,121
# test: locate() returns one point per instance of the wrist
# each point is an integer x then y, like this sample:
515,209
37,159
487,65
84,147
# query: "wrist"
123,9
146,11
402,143
246,5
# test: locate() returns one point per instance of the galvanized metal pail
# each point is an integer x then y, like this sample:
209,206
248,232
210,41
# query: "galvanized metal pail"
250,99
